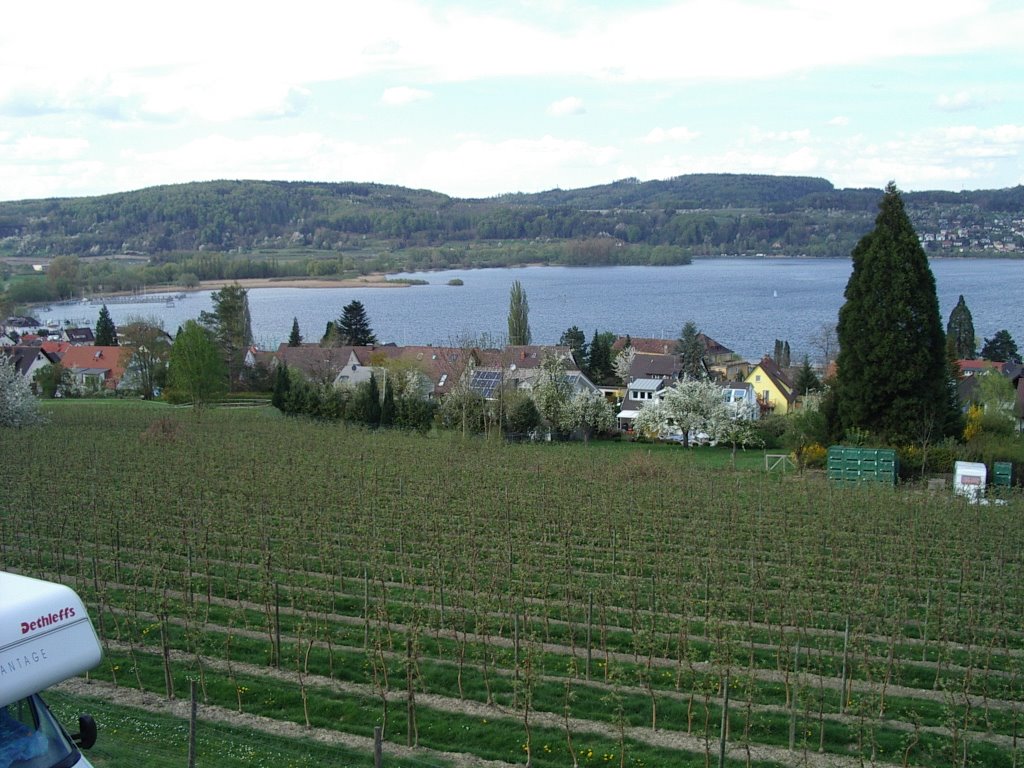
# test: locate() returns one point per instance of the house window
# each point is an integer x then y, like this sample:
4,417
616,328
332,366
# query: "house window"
444,378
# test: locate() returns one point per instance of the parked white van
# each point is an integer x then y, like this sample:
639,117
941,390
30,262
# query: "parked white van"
45,637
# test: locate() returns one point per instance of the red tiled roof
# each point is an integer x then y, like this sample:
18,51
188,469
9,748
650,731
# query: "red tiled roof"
112,359
56,347
973,366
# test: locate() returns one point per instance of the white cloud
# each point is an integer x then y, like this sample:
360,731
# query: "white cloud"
758,136
289,157
956,102
955,157
45,149
480,168
233,64
840,121
402,95
570,105
679,133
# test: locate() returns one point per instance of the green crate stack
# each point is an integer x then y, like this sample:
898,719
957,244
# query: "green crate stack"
1002,474
847,464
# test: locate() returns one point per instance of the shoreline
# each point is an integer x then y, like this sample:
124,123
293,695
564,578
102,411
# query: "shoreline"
376,280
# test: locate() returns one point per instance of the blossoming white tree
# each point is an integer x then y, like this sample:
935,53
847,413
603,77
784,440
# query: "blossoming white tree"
652,420
695,406
552,392
623,363
18,406
590,413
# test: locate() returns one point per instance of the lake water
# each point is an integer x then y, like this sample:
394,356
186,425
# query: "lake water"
743,303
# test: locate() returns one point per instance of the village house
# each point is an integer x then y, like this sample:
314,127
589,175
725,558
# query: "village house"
96,369
28,359
640,392
773,388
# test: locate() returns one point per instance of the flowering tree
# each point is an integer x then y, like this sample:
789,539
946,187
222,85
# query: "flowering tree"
623,363
695,405
652,421
590,413
18,407
552,391
735,425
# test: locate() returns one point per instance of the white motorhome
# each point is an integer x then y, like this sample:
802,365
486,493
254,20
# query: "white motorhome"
45,637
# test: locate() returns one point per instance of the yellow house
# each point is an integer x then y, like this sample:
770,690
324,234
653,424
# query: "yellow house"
775,392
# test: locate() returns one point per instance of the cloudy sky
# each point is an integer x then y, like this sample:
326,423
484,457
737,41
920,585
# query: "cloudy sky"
480,98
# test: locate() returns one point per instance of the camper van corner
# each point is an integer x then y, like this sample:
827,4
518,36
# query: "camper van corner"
45,637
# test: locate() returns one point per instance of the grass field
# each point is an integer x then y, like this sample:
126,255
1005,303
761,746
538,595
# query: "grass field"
562,604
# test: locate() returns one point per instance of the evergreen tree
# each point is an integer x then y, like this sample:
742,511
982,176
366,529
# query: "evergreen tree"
601,369
893,378
518,316
1001,348
352,328
106,333
295,338
806,379
690,349
330,335
366,404
576,341
960,332
387,405
282,386
781,354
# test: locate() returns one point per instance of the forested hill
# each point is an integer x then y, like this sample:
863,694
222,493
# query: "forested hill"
665,221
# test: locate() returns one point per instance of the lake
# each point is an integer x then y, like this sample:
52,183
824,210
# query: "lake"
743,303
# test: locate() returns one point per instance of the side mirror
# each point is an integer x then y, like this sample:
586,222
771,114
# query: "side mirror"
86,735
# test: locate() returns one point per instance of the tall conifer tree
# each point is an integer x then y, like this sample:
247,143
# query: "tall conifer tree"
295,338
960,332
353,327
690,349
893,379
106,333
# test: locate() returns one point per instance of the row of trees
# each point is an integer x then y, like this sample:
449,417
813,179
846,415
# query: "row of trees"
367,403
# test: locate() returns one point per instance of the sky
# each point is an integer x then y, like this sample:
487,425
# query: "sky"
476,99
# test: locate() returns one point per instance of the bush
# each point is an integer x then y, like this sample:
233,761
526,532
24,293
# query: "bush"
937,460
770,430
813,456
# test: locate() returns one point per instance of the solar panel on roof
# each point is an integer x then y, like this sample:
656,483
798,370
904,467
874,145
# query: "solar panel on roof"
486,382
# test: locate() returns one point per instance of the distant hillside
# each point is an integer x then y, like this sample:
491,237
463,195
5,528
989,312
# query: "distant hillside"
665,221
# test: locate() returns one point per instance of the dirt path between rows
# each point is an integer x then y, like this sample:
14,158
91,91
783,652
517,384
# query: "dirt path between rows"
151,702
478,710
768,675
